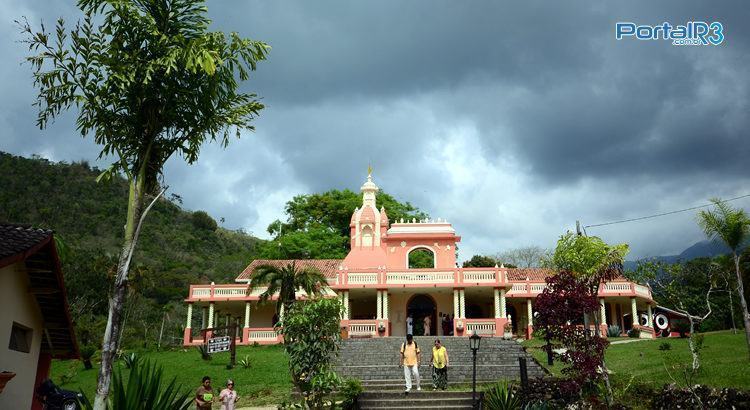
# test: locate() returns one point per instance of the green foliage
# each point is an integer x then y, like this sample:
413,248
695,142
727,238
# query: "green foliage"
311,338
480,261
731,226
587,256
665,346
421,259
202,220
634,333
203,350
349,392
286,281
614,331
87,352
317,225
130,360
146,388
172,252
501,396
245,362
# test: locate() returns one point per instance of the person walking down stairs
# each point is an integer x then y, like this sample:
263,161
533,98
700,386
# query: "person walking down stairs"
439,366
410,358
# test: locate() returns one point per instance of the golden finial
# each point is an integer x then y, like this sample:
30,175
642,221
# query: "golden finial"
369,170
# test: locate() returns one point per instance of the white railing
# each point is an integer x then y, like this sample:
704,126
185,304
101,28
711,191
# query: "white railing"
481,328
642,290
263,335
201,292
616,287
230,292
538,287
518,288
360,278
362,329
419,277
479,276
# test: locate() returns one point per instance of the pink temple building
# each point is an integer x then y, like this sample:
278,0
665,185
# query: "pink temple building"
380,291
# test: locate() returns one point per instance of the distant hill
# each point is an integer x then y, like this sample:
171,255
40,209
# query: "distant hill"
177,247
701,249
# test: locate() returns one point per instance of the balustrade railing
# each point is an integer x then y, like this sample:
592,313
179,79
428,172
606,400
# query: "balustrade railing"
262,334
362,328
398,278
479,277
362,278
480,326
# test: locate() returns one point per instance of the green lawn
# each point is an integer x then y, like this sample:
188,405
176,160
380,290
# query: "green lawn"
265,382
724,360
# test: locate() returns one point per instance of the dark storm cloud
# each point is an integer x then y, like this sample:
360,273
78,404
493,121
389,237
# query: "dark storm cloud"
511,119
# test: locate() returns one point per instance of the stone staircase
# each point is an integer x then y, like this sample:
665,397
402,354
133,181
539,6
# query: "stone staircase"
375,363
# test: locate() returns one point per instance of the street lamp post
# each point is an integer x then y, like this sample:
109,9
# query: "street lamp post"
474,341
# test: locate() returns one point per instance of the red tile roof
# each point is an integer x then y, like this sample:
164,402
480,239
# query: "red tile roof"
328,267
534,274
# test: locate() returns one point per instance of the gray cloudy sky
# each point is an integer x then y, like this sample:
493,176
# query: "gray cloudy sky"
512,121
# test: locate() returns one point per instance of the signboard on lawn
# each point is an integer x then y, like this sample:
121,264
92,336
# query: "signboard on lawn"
219,344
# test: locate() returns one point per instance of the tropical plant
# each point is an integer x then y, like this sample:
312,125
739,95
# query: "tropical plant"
614,331
311,339
731,226
130,359
286,280
87,352
203,350
500,396
664,346
149,81
145,388
349,392
245,362
634,333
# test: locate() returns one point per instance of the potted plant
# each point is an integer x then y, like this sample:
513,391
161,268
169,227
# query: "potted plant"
508,330
460,325
381,327
5,378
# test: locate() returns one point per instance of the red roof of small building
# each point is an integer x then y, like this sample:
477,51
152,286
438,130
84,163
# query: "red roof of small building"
326,266
534,274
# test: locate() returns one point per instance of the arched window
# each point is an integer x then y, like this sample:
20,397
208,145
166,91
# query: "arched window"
421,258
367,236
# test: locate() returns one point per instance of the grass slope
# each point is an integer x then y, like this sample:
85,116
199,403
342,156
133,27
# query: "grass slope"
723,361
265,382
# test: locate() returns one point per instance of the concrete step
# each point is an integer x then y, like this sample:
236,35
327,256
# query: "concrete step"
415,400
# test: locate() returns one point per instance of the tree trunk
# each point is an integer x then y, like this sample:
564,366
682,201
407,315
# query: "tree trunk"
731,310
743,302
696,358
110,344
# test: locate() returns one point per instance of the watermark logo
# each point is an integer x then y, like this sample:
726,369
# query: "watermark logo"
692,33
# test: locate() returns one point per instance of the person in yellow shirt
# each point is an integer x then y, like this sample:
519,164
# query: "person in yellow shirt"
410,358
439,366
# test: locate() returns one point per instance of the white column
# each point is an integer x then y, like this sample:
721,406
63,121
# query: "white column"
385,304
189,323
281,313
498,314
456,313
603,312
247,314
204,318
650,318
380,305
462,305
345,301
503,309
210,315
634,312
529,313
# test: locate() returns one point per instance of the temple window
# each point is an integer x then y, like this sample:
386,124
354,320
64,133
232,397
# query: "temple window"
421,258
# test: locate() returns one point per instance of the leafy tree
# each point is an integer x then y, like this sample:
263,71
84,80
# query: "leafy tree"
421,259
286,280
316,242
731,226
149,80
480,261
524,257
311,338
202,220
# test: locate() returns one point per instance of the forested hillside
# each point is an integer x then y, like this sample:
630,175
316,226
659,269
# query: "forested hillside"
177,246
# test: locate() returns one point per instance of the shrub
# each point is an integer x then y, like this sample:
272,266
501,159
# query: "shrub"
145,389
665,346
556,393
699,396
202,220
350,391
130,360
634,333
87,352
614,331
682,327
203,350
245,362
501,397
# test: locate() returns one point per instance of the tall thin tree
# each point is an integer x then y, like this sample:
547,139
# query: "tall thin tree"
731,226
149,80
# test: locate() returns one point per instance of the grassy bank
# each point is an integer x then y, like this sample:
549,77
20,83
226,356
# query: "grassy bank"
724,360
265,382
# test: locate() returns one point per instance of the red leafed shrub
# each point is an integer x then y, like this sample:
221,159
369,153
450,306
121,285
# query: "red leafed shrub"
561,307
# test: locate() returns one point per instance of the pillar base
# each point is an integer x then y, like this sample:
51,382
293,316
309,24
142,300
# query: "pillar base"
187,336
529,331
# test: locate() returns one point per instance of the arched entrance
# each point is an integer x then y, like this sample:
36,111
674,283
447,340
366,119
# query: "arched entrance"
418,307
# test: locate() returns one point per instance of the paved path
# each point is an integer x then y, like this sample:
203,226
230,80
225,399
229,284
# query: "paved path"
619,342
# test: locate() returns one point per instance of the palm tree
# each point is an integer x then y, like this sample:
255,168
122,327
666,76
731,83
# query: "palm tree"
732,226
286,280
